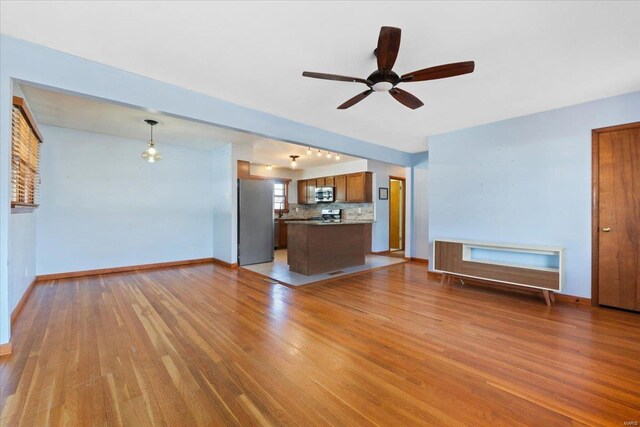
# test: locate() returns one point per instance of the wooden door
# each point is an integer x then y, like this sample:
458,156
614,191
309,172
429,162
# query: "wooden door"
329,181
302,192
355,187
617,216
394,214
341,188
319,182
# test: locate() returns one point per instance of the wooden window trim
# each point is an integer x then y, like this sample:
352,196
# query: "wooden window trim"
19,102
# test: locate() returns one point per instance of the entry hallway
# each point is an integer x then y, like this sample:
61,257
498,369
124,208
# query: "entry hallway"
205,345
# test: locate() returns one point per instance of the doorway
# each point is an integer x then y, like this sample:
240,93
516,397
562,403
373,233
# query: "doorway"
615,278
397,207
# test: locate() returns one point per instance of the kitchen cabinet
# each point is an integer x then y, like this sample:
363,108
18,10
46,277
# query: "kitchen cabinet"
282,234
340,183
311,191
302,192
351,188
359,187
368,236
315,248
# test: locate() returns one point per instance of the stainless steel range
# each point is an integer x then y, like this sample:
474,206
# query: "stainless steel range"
332,215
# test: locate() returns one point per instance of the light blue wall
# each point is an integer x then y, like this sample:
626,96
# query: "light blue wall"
526,180
22,265
102,206
420,247
223,208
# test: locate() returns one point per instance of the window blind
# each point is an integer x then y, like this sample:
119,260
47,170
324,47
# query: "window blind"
25,157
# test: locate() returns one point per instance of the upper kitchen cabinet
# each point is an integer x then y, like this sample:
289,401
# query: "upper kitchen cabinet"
359,187
352,188
311,191
302,192
307,191
340,183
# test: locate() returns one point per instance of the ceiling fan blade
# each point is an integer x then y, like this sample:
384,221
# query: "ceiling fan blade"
405,98
355,99
388,46
440,72
325,76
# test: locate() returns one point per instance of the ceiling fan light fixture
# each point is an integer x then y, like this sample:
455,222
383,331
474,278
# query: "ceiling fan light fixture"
382,86
151,154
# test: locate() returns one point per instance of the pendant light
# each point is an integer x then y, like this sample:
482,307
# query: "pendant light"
151,154
294,164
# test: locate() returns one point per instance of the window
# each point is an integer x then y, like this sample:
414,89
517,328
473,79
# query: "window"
25,157
281,196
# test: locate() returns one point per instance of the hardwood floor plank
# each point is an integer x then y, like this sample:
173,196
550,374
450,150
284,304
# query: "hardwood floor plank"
205,345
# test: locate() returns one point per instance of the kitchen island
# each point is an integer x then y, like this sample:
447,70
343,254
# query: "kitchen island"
316,247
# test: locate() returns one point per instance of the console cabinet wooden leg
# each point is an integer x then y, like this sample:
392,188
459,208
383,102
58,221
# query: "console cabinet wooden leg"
547,298
444,277
553,296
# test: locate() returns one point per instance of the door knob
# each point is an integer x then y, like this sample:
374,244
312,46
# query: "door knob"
606,229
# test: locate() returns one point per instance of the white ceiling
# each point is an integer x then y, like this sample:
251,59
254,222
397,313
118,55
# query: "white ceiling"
74,112
530,56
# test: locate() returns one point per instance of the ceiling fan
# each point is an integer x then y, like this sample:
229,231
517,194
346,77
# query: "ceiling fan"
385,80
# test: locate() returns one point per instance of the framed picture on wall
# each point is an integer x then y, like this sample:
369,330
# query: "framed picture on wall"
383,193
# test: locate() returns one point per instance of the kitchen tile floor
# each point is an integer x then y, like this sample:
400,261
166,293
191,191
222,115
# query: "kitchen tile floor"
279,270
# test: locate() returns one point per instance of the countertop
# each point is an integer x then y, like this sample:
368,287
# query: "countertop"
343,222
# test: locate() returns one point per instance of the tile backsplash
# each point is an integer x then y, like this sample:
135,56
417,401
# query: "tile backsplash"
349,210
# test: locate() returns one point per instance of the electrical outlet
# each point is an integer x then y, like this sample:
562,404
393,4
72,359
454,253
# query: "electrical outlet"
26,272
297,209
359,210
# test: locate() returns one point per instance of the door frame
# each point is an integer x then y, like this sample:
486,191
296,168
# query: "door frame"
595,206
404,211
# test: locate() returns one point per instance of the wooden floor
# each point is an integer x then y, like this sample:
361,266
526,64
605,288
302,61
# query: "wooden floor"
204,345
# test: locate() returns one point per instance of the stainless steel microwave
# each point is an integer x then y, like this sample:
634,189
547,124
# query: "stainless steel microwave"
324,195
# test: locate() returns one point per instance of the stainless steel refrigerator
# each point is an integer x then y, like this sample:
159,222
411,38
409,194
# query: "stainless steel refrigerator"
255,221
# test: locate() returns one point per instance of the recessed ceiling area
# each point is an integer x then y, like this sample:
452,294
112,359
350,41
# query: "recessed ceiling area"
76,112
530,56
